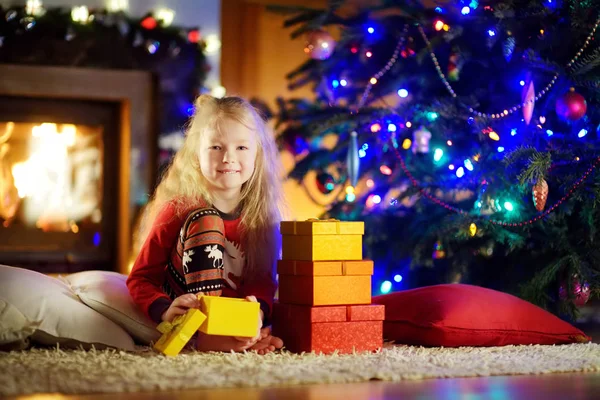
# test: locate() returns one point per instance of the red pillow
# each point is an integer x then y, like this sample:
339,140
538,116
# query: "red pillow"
455,315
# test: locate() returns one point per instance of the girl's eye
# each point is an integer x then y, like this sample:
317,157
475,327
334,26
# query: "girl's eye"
242,148
215,147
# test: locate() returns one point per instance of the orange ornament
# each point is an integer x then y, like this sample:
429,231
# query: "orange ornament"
540,194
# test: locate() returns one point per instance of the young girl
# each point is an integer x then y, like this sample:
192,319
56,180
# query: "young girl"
211,226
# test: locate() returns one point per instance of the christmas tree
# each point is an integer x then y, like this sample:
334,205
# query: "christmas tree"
467,138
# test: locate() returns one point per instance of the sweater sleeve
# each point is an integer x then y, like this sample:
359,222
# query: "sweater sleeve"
147,276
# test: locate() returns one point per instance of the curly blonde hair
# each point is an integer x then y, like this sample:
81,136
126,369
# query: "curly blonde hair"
261,198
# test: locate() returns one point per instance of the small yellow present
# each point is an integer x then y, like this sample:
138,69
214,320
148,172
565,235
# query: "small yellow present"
229,317
322,240
176,334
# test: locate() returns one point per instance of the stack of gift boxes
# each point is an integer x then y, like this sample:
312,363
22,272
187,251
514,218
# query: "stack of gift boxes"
325,289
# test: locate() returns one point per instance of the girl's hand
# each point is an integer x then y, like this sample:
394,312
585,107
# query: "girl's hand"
180,305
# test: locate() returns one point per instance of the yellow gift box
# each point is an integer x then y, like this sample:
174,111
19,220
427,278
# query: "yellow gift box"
176,334
230,317
322,240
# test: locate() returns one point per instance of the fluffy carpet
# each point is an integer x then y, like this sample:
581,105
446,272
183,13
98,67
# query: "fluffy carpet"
106,371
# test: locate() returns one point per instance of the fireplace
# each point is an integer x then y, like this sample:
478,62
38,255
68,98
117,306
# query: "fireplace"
77,153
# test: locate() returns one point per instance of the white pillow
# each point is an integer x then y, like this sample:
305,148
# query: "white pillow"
107,293
36,306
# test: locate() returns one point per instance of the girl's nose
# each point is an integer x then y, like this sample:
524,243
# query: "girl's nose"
228,157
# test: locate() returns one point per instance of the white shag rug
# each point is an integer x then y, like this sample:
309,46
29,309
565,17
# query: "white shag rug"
109,371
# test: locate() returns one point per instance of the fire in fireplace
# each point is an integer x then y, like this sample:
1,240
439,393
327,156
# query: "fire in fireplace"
51,177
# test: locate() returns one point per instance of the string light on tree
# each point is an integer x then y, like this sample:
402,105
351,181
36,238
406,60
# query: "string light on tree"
149,23
472,229
34,7
350,195
165,15
80,14
117,5
438,251
386,287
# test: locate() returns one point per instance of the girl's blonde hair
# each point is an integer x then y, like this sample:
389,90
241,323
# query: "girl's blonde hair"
261,196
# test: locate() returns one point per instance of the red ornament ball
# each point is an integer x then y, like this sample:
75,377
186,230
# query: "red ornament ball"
571,106
325,183
581,292
319,45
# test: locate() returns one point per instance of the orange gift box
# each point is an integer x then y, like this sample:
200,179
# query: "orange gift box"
327,329
322,240
322,283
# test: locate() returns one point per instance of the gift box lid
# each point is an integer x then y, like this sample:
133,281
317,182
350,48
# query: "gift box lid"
324,268
371,312
322,227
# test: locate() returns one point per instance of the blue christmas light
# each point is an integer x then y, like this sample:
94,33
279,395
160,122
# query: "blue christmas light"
491,32
391,128
370,29
465,10
343,82
361,153
508,205
96,239
513,131
582,133
398,278
350,197
189,111
365,146
432,116
439,10
386,286
468,165
403,93
376,199
549,132
500,149
335,83
460,172
438,154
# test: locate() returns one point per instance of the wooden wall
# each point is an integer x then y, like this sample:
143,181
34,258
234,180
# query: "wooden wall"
256,54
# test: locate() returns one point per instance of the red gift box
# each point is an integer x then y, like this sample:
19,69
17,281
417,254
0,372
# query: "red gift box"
329,328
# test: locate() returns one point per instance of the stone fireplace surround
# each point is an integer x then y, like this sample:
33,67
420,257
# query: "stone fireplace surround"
132,93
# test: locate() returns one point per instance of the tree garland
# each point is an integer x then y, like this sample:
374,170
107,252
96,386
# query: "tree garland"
111,40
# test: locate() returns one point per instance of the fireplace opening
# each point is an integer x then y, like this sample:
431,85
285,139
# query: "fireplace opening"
59,182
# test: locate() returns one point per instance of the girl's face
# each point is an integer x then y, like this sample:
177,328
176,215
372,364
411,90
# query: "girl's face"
227,157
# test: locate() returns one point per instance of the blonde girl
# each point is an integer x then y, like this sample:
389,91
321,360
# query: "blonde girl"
211,225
